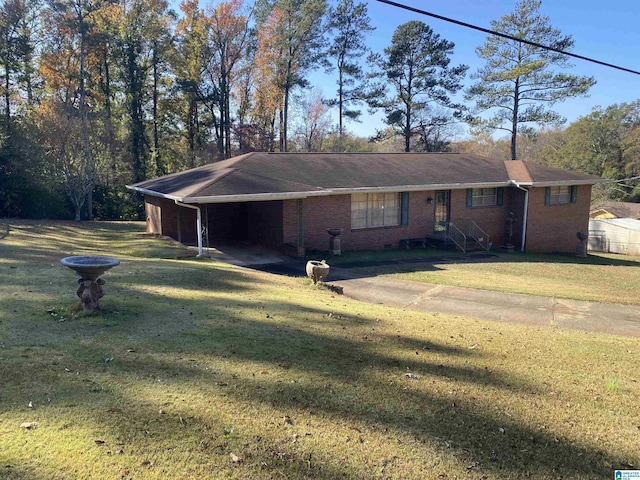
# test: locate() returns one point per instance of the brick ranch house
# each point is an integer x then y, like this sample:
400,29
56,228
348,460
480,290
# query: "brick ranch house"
287,201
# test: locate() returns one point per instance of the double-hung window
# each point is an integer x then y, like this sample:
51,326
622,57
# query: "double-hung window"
559,195
484,197
375,210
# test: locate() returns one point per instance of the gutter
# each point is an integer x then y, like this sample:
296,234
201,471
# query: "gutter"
198,224
257,197
525,215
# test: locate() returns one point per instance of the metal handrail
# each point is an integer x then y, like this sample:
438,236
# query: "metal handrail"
475,232
456,236
478,234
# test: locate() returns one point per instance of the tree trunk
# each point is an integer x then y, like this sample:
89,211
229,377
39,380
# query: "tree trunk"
191,131
111,137
156,141
407,127
340,100
285,119
7,96
514,120
135,114
85,127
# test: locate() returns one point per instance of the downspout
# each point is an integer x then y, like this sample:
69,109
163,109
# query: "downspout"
524,216
198,224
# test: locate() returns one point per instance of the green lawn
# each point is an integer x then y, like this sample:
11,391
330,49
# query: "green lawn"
196,369
597,278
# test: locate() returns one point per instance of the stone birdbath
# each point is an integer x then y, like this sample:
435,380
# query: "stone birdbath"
90,268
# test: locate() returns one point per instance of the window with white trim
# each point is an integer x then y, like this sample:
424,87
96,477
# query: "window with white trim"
559,194
484,197
375,210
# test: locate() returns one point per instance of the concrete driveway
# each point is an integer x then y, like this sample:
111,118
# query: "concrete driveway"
483,304
497,306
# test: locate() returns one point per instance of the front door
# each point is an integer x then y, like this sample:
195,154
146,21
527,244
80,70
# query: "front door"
442,210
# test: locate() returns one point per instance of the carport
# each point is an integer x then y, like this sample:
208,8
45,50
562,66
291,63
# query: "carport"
227,223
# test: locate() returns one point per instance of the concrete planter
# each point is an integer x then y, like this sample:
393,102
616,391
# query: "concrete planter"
317,271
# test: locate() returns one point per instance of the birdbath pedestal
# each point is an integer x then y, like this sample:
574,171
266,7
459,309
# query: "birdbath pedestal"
581,250
334,241
90,268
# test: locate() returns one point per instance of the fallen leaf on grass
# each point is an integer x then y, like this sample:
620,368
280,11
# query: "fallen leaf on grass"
99,442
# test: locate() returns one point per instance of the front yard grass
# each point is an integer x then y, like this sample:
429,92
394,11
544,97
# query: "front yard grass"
195,369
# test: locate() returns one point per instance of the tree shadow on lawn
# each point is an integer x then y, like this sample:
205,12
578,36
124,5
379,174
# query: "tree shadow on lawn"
384,399
498,444
286,341
12,470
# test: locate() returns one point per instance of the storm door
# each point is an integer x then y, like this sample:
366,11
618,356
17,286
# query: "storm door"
442,210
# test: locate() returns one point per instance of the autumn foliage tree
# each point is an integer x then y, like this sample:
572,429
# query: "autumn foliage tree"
229,37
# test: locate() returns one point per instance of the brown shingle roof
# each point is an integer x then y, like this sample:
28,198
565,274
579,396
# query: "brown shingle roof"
302,174
518,171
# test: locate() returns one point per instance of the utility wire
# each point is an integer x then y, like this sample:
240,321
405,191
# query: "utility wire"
504,35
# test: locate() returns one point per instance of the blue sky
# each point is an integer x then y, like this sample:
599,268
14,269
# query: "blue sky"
606,30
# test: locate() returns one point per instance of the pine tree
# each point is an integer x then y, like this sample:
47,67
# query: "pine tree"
517,80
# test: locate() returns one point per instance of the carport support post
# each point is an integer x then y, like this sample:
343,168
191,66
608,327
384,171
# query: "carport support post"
206,225
300,246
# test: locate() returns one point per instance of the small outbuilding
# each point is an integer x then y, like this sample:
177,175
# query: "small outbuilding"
615,235
616,210
288,201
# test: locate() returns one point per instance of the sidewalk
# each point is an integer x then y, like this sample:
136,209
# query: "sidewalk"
497,306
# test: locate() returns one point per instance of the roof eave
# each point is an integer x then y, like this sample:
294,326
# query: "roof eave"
153,193
416,188
258,197
255,197
336,191
556,183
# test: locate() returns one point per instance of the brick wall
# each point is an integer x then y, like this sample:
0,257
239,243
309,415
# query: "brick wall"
258,222
321,213
491,219
227,222
552,228
265,223
549,228
153,214
164,217
290,222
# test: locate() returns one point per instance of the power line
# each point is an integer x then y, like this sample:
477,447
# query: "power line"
509,37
